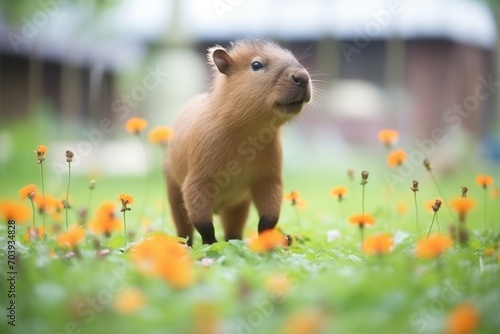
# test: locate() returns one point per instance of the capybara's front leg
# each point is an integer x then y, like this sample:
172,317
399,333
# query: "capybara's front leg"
267,195
199,208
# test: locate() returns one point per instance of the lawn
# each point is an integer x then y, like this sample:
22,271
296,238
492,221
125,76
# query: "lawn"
324,282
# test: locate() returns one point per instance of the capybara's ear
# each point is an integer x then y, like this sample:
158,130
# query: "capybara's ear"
219,57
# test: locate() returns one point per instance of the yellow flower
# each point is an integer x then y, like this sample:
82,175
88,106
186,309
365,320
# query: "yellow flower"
12,210
160,135
28,191
463,319
129,301
267,241
40,152
484,180
105,220
388,137
396,158
462,205
135,125
378,244
71,238
362,220
339,192
163,256
433,247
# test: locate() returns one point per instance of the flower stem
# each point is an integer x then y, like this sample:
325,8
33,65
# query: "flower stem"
363,200
88,206
43,196
416,209
432,223
485,208
341,211
67,194
361,228
442,196
33,210
125,228
298,218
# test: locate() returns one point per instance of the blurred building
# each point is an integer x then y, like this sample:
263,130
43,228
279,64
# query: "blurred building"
398,63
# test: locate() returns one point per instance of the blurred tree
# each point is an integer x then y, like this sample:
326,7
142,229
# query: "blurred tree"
14,11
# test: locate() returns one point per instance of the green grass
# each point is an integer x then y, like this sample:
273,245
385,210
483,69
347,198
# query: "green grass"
346,290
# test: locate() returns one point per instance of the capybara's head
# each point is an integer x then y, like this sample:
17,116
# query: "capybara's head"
262,75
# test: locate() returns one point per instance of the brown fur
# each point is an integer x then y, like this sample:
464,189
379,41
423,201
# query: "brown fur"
226,149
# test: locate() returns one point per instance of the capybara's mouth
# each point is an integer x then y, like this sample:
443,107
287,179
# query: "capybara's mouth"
291,107
295,103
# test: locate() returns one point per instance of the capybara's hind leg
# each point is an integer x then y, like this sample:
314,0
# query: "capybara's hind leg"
233,220
184,227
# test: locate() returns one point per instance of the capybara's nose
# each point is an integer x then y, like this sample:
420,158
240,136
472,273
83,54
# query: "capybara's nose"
300,77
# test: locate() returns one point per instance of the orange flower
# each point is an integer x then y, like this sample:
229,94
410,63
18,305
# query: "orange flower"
206,318
163,256
12,210
378,244
105,220
339,192
267,241
388,137
34,233
71,238
362,220
484,180
463,319
48,204
28,191
402,208
135,125
160,135
278,285
306,321
129,301
126,200
433,246
294,196
462,205
495,191
396,158
489,251
40,152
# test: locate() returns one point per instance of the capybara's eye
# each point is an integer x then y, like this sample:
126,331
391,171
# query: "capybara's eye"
257,65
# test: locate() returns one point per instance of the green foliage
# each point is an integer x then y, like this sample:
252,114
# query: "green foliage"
328,286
